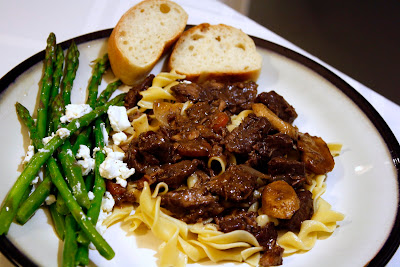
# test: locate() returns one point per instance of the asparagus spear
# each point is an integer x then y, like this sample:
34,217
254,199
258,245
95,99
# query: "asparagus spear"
58,220
57,74
99,69
83,221
106,94
70,244
47,82
71,66
12,201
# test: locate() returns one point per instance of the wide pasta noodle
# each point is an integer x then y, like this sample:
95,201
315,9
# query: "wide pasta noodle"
160,89
195,242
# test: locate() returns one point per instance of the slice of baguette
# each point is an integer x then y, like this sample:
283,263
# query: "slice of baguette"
215,51
141,36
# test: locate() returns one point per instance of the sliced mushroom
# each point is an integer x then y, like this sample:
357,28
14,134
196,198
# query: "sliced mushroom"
279,200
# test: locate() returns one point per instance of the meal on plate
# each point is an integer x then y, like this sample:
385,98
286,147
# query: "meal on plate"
215,168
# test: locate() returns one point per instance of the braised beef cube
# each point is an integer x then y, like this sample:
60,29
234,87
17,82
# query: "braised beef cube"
193,148
198,112
305,212
152,142
291,171
174,175
186,92
241,96
272,257
315,154
133,96
276,145
277,104
235,184
191,205
242,139
237,96
283,166
141,161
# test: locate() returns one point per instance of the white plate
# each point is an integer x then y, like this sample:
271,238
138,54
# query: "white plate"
363,185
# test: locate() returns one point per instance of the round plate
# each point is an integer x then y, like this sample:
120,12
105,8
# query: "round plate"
363,185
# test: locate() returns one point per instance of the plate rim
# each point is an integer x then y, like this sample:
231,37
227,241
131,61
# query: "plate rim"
391,244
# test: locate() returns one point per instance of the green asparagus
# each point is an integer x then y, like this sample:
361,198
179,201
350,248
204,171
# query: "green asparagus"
70,244
47,82
12,201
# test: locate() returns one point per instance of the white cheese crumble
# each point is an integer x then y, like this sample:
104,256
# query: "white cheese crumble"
107,204
50,200
29,154
118,118
74,111
104,132
86,162
43,150
90,195
47,139
119,137
121,182
113,166
63,133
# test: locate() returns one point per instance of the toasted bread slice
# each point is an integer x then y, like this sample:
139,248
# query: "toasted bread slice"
215,51
141,36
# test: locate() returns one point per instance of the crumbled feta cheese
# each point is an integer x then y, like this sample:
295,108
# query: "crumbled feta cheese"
104,132
29,154
43,150
113,166
50,200
107,202
77,124
86,162
118,118
90,195
95,150
35,181
74,111
69,152
63,133
121,182
119,137
47,139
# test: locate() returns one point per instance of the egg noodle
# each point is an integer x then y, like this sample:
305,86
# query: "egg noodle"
182,242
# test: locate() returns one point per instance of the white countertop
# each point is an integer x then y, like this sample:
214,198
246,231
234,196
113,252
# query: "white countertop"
25,25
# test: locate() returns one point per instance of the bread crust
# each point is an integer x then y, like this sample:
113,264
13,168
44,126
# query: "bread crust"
126,69
219,72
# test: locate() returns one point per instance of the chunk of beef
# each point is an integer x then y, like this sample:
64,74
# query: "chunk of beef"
276,145
119,193
186,92
191,205
315,154
174,175
133,96
272,257
277,104
242,139
193,148
156,144
291,171
235,184
305,212
143,162
237,96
